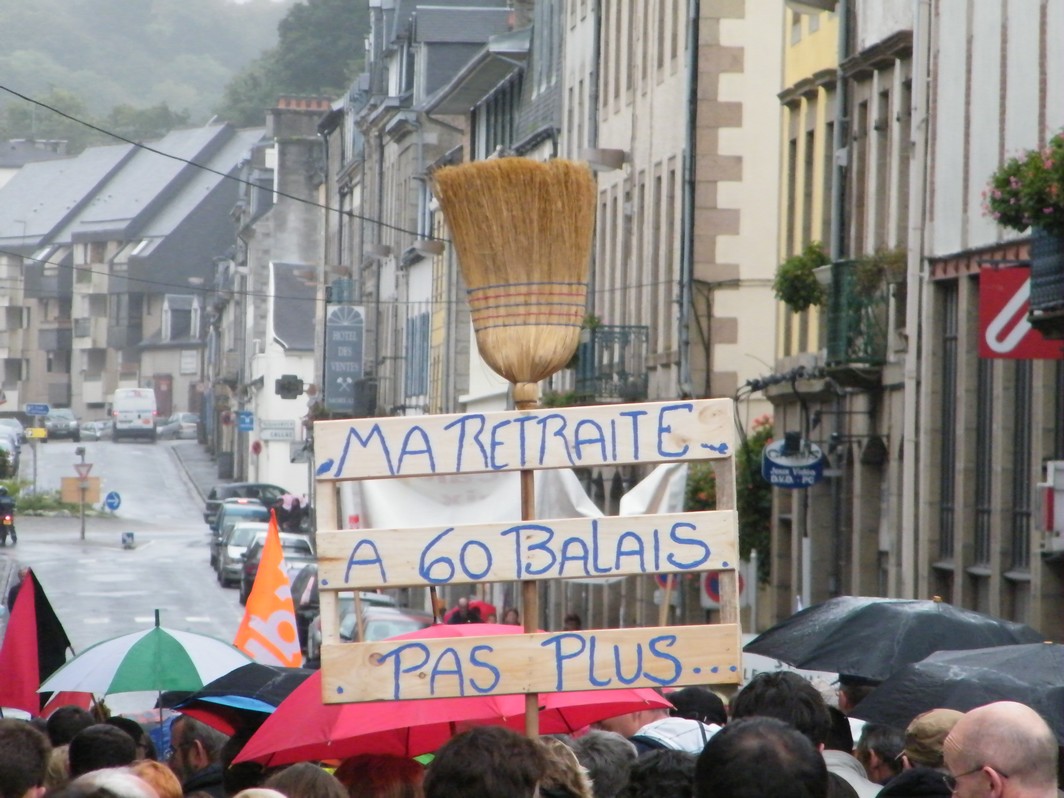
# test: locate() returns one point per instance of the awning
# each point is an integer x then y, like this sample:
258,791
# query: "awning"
501,57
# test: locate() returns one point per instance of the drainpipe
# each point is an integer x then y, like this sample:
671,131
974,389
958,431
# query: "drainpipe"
688,237
906,581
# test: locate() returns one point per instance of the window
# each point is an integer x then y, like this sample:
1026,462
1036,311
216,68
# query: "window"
417,355
180,317
948,421
984,457
1021,466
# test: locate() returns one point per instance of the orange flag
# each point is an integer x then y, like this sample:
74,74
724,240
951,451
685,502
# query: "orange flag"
268,632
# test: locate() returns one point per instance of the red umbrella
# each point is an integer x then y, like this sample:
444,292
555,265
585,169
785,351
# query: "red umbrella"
303,728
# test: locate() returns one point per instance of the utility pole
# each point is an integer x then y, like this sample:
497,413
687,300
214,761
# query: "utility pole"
83,470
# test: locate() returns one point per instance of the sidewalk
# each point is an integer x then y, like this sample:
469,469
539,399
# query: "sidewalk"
201,470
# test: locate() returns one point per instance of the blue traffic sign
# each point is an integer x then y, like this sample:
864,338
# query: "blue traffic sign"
112,501
245,421
37,409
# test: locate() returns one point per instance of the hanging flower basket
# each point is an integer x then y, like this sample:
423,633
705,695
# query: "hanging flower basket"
1028,191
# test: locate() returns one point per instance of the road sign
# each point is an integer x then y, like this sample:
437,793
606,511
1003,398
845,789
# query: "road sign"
37,409
112,501
710,598
37,432
83,470
245,421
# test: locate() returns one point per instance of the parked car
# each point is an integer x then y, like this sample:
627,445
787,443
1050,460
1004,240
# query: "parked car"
13,423
94,430
62,423
264,492
230,551
184,426
235,511
305,600
379,623
297,553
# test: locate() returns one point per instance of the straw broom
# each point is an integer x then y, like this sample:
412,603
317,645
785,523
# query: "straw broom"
522,230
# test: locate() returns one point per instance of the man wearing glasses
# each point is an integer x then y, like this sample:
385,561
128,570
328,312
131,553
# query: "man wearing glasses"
1002,750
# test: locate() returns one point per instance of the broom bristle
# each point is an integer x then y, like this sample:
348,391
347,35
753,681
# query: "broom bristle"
522,230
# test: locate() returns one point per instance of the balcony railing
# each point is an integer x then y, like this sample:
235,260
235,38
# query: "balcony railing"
1047,284
856,320
611,364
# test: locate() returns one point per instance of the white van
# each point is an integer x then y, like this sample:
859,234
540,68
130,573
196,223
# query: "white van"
134,412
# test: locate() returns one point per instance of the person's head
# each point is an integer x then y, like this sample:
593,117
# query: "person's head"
608,757
565,776
698,703
193,746
788,697
145,747
573,623
1003,749
107,783
305,780
840,736
67,721
100,746
241,775
631,722
159,776
381,776
58,773
662,773
925,735
511,616
24,756
760,757
879,750
486,762
463,604
853,690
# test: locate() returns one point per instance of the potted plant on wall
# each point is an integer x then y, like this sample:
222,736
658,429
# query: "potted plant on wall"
797,284
873,272
1027,192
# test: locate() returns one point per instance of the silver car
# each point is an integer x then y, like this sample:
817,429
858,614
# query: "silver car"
233,546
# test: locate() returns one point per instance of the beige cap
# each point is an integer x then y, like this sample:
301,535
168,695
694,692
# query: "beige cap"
926,734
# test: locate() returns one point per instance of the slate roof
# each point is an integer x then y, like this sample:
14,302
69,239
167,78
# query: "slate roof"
440,25
293,307
47,194
131,197
19,152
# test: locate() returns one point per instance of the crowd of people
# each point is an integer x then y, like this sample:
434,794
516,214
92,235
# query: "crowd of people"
778,738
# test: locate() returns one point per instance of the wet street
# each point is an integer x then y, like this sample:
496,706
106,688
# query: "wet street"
100,589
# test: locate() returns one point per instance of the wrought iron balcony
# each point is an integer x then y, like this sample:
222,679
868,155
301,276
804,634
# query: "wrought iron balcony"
856,319
611,364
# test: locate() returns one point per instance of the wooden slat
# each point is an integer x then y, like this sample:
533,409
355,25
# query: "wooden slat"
326,514
531,663
370,448
728,585
574,547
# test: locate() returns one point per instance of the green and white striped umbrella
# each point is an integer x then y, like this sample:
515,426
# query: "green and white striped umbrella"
156,659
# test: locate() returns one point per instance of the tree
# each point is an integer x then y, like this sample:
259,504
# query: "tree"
319,51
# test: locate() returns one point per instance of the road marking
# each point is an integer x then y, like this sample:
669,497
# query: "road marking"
143,619
198,618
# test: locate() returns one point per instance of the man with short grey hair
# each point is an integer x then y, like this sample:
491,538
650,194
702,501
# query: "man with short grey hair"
1002,750
608,758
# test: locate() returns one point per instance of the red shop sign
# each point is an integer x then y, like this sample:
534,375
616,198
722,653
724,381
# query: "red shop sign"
1004,331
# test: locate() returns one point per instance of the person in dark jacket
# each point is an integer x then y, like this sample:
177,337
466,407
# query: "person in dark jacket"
195,756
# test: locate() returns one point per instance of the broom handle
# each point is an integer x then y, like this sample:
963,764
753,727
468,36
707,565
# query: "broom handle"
526,397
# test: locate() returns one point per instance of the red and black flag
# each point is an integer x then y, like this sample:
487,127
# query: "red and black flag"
34,647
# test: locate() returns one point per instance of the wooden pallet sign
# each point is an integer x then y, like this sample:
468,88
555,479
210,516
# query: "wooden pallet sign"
351,560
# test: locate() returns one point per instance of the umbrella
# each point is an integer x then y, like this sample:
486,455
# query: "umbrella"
303,728
873,637
242,699
1032,674
153,660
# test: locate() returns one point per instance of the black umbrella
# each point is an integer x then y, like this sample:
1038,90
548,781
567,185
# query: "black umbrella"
242,699
1032,674
873,637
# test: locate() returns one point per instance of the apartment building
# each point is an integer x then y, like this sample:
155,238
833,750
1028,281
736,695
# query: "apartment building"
894,116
